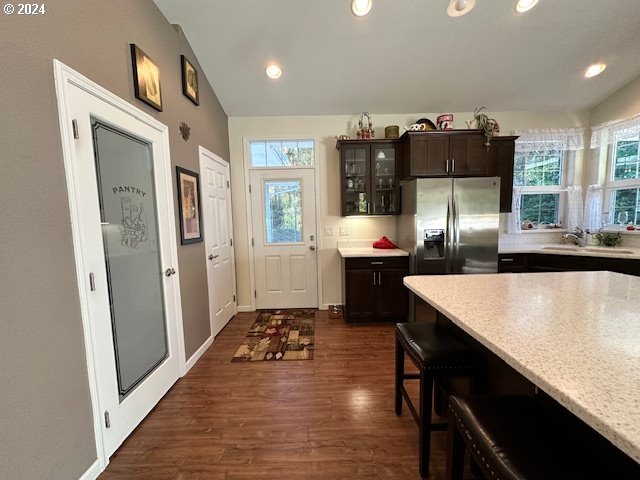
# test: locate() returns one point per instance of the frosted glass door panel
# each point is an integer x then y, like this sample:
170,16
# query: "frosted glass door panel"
125,174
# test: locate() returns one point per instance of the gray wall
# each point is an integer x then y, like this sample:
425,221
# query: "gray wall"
45,411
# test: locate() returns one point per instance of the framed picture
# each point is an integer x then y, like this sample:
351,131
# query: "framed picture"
189,205
146,78
190,81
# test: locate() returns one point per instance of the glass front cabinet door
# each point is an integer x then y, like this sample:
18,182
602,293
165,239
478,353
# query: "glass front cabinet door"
369,180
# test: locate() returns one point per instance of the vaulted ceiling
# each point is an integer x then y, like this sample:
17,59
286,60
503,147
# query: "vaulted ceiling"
409,55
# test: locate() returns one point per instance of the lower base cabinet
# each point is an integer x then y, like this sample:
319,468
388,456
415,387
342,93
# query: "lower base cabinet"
539,262
372,289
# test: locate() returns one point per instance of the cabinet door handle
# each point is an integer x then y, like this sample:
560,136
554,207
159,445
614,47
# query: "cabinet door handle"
377,263
367,208
447,168
453,165
506,259
374,279
379,279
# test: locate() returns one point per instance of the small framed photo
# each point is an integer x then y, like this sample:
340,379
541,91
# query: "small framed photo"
189,205
190,81
146,78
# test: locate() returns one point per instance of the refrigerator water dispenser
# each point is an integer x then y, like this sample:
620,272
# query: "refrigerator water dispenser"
433,244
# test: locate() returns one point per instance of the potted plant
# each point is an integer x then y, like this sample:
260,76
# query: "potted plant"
482,121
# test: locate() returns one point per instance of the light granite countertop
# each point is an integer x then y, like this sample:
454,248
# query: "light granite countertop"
588,251
576,335
363,248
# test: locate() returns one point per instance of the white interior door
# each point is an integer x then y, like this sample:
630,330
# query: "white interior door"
124,234
284,220
218,228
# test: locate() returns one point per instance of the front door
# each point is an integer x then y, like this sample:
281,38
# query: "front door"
284,241
126,249
216,209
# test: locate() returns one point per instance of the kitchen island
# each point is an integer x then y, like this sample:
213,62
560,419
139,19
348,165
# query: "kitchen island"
576,335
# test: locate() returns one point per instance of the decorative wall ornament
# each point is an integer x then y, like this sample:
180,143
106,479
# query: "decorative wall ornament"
189,206
190,81
146,78
185,131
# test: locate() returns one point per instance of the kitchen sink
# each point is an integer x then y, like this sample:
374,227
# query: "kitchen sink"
575,248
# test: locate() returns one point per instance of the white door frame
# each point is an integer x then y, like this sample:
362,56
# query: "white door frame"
247,181
220,161
66,78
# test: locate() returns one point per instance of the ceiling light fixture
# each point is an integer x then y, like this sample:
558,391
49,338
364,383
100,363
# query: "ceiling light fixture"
457,8
595,69
273,71
523,6
361,7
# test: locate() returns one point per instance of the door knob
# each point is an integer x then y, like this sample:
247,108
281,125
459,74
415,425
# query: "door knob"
212,256
169,271
312,247
312,238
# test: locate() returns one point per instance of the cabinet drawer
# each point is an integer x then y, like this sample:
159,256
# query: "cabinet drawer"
376,263
514,262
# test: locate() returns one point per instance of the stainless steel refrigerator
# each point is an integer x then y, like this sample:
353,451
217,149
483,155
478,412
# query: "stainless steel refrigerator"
450,225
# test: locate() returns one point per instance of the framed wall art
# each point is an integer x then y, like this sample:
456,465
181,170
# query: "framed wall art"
146,78
190,81
189,206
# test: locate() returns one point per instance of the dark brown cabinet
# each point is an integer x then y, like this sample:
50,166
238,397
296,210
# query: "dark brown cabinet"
458,153
372,289
369,177
540,262
500,164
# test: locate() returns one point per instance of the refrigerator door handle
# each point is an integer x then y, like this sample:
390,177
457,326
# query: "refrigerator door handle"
456,235
448,237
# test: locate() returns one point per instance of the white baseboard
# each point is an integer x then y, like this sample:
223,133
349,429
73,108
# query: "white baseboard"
196,356
93,471
245,308
325,306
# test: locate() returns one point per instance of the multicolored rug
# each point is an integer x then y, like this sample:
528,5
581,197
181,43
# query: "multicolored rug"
279,335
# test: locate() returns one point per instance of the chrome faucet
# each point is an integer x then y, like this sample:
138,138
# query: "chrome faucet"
577,237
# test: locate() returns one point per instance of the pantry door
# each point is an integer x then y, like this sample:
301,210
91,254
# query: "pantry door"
121,199
218,229
283,206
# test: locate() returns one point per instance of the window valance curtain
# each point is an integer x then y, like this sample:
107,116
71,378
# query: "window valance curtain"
549,139
611,132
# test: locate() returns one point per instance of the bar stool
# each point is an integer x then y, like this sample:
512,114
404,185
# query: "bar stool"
523,438
437,353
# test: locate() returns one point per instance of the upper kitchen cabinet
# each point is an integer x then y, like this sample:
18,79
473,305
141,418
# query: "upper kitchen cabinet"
500,164
369,177
458,153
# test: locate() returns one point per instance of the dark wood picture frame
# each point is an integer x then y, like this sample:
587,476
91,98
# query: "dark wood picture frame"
190,86
189,206
146,78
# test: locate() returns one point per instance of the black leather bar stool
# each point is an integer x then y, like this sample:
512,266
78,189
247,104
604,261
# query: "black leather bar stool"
437,353
522,438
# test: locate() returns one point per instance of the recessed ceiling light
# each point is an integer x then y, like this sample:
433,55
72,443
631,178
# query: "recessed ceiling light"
273,71
361,7
457,8
523,6
595,69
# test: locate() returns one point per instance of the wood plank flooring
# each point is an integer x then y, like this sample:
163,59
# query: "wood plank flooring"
327,418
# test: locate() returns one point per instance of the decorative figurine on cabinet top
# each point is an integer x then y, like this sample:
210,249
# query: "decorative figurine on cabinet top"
365,129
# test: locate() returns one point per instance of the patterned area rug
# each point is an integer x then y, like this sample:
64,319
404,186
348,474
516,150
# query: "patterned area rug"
279,335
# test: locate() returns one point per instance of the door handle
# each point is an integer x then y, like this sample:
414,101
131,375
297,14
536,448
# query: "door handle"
447,168
169,271
379,279
312,247
212,256
312,237
374,279
453,165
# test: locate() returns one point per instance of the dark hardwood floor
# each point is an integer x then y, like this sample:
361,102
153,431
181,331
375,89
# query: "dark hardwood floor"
327,418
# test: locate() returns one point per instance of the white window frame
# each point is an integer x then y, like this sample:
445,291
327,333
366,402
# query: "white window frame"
281,140
611,185
566,171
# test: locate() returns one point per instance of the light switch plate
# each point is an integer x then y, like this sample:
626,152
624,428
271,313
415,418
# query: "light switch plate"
329,230
345,231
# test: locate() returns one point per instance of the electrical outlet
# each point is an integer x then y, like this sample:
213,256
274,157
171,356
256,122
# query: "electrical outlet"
329,230
345,231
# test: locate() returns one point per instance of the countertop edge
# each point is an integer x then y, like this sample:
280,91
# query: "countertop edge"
538,249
